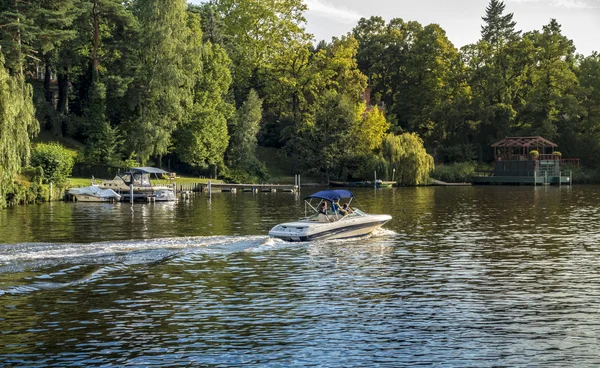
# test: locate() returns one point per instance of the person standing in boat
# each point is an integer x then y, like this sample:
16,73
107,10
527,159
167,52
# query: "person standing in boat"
323,213
323,208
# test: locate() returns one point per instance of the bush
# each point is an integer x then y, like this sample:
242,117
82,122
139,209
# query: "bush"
581,175
27,188
56,161
461,172
258,175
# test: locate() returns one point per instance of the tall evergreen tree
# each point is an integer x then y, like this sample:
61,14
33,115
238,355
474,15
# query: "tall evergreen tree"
498,27
18,33
245,127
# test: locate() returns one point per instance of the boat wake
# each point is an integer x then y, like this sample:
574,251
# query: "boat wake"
90,262
31,267
15,257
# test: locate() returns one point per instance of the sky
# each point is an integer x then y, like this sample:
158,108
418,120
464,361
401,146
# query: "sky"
461,19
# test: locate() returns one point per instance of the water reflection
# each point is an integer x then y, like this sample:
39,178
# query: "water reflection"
490,276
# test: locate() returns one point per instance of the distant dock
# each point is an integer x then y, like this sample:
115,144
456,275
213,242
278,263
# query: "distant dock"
233,188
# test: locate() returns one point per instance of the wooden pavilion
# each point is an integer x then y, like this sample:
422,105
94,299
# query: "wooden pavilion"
526,160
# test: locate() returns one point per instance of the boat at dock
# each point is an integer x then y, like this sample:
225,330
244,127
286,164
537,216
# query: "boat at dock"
334,224
94,193
143,188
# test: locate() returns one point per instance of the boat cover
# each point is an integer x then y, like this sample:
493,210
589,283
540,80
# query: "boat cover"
95,191
148,170
332,195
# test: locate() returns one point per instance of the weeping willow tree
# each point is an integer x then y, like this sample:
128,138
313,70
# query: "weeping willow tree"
405,153
17,125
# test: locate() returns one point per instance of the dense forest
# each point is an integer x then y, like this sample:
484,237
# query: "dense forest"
198,87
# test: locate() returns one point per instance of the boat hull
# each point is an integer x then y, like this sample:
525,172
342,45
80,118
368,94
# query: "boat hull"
343,229
91,198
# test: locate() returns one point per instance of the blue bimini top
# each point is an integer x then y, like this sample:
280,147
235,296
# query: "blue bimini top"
332,195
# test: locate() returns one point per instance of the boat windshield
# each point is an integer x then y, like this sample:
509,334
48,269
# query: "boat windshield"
333,216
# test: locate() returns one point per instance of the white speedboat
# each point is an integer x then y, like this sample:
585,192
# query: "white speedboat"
333,224
94,194
143,189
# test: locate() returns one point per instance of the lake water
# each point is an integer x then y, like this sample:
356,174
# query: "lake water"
461,277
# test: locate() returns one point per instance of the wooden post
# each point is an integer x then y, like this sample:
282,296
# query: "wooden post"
209,188
375,179
50,194
131,193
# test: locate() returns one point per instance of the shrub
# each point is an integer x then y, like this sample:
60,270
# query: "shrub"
56,161
459,172
581,175
27,188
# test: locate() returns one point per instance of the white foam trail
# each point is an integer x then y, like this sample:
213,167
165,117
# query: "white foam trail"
112,257
383,232
12,253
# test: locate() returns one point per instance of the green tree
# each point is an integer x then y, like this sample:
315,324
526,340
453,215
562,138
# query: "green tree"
340,70
585,141
550,104
55,44
325,144
163,86
103,142
18,33
254,32
499,27
372,127
429,80
202,139
244,129
17,126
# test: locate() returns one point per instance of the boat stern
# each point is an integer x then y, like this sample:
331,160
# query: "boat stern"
291,231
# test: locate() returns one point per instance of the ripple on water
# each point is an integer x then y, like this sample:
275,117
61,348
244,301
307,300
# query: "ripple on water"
460,278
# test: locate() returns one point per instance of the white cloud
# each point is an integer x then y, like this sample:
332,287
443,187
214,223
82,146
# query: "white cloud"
324,9
579,4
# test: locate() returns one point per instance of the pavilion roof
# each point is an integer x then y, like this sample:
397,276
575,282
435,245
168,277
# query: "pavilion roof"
524,142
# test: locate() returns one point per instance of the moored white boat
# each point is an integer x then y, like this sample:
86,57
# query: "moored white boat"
143,189
94,193
333,224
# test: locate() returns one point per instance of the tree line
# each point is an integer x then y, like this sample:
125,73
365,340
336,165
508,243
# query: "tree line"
509,83
198,87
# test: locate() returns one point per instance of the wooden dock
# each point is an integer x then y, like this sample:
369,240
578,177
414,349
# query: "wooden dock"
233,188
